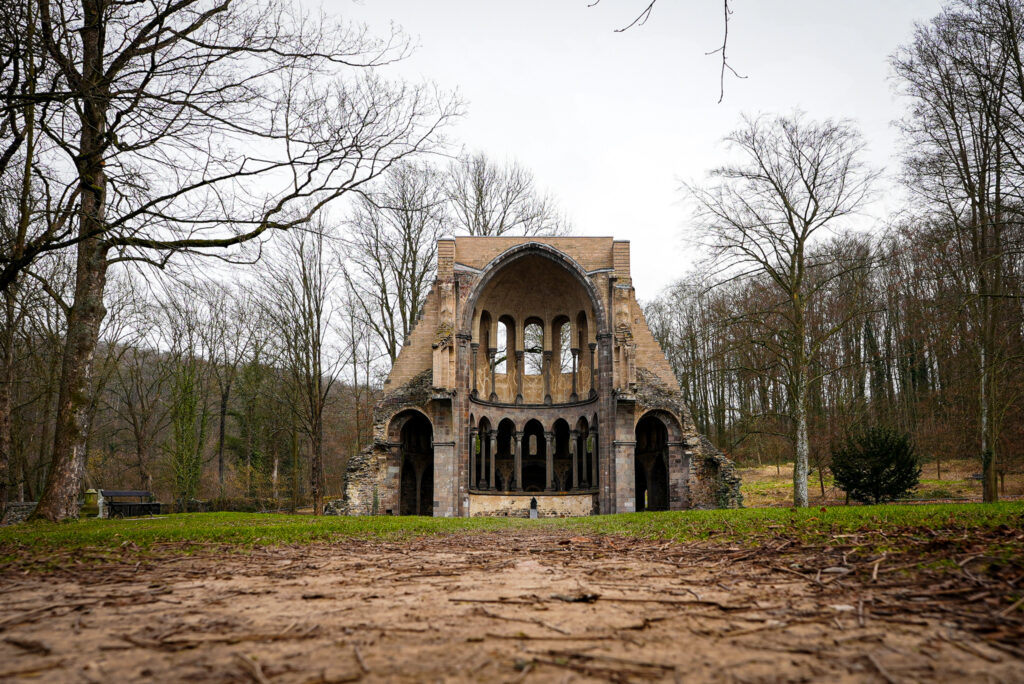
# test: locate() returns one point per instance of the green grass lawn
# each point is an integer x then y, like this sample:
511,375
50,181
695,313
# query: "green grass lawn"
752,526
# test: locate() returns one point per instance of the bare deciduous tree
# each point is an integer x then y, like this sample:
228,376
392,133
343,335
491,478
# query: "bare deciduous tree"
391,249
300,283
795,181
962,72
198,126
489,199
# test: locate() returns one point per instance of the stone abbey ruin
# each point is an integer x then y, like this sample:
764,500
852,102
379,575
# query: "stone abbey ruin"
532,378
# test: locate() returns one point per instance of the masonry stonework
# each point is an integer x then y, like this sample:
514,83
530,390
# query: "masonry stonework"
531,374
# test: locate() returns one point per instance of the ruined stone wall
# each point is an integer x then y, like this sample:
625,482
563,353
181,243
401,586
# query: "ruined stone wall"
714,481
649,353
700,476
366,480
417,354
372,476
434,374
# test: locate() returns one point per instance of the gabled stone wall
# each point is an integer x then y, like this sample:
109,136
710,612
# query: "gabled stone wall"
585,281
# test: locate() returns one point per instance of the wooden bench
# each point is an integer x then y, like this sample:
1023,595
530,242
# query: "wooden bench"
112,508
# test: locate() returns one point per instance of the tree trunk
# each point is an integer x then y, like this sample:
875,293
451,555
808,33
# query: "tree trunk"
295,469
59,500
224,393
6,388
273,479
316,468
801,367
802,446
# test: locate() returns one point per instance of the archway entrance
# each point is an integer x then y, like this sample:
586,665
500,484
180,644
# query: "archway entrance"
417,475
651,465
534,450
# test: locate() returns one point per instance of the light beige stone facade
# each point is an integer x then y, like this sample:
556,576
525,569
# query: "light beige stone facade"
532,371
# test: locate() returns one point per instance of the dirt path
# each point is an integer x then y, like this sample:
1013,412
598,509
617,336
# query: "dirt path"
533,606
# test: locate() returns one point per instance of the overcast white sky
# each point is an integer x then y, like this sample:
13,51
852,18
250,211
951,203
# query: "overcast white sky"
611,122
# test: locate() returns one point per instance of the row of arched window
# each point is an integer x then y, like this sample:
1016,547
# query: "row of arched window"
501,335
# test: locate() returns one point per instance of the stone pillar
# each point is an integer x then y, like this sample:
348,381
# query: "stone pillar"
547,376
519,376
623,463
518,436
491,351
472,458
445,502
575,358
593,458
393,491
549,461
678,474
475,346
574,439
494,456
593,384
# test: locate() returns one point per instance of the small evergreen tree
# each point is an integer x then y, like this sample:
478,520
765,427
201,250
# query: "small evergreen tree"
875,465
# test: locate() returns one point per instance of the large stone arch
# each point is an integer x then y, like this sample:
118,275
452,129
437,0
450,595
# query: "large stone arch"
672,423
513,254
656,433
397,420
411,441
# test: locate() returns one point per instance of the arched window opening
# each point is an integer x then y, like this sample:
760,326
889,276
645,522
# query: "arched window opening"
533,342
534,455
480,449
502,346
416,489
565,347
505,455
562,462
651,467
582,439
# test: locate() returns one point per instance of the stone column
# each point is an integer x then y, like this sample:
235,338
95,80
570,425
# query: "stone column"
622,460
482,468
549,461
518,436
475,346
575,357
574,438
519,376
494,456
472,458
593,459
444,499
593,383
547,376
491,351
394,481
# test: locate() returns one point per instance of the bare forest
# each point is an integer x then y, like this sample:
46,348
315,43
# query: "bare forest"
218,222
799,328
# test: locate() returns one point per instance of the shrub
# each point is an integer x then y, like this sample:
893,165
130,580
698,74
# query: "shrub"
875,465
